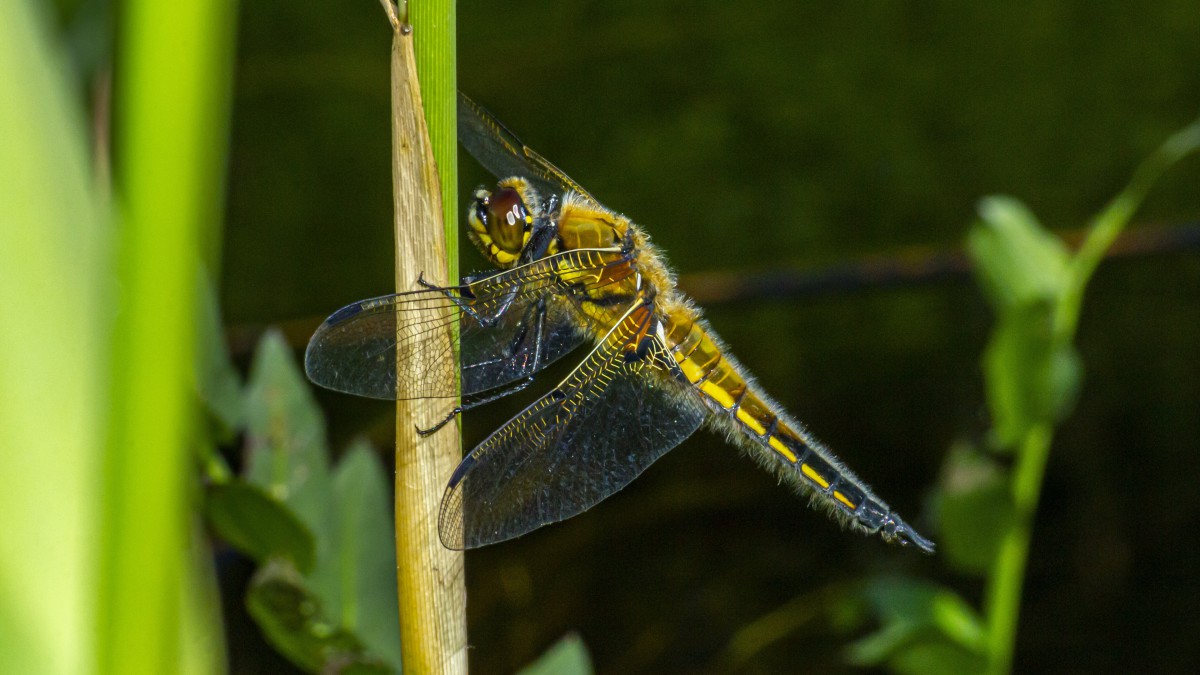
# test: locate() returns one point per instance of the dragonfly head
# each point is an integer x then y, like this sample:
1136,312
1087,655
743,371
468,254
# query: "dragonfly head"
502,221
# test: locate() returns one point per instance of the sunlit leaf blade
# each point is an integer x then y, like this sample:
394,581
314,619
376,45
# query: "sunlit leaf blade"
295,621
287,455
255,523
568,656
366,545
976,509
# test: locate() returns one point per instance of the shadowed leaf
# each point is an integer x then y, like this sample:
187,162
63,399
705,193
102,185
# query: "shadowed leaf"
923,627
287,455
367,547
976,509
217,380
258,525
295,622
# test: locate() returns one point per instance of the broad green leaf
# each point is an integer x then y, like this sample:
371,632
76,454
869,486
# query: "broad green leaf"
287,455
568,656
1031,376
258,525
295,621
976,509
1018,262
366,544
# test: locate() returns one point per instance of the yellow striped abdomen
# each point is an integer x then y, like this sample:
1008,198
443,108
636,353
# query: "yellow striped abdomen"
740,407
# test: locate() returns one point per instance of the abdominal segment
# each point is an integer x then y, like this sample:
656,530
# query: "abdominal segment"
741,408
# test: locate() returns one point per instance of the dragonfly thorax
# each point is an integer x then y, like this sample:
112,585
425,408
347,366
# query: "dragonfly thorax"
502,221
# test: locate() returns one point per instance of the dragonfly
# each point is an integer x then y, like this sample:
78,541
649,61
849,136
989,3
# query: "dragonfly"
570,273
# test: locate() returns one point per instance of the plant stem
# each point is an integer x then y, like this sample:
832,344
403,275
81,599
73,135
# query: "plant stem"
1110,222
436,45
1003,599
432,596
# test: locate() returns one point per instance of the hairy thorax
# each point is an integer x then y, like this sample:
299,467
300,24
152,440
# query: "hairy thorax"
584,225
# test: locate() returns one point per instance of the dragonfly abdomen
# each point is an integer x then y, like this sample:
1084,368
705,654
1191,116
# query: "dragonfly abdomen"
760,425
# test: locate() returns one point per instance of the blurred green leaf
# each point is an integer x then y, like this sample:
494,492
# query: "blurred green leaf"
1018,262
217,380
367,547
347,600
1031,376
957,620
258,525
297,624
937,656
976,509
56,287
1032,372
568,656
287,455
915,616
884,643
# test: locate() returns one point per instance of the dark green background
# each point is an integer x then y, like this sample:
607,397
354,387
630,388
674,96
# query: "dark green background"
749,137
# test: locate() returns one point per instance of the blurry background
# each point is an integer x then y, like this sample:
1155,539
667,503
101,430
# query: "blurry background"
786,138
790,140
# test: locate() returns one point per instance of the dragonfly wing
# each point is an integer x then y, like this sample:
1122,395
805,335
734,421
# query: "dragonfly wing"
510,325
624,407
500,151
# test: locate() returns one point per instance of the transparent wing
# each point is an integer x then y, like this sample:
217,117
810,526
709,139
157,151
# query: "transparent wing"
510,325
500,151
619,411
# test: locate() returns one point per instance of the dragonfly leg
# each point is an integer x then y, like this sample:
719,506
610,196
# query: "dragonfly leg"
454,295
474,403
544,231
539,321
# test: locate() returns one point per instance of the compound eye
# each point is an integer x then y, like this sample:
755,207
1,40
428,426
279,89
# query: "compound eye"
507,220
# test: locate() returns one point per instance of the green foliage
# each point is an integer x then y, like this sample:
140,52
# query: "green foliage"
975,508
368,552
923,628
218,384
257,524
295,620
1032,373
55,288
568,656
286,454
325,594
